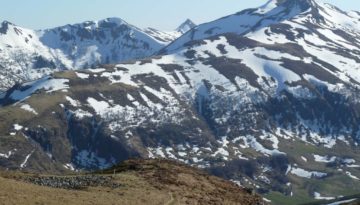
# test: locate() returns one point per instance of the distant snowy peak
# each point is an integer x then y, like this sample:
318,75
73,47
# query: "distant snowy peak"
170,36
305,12
186,26
92,25
26,54
106,41
114,21
7,27
97,30
302,3
299,5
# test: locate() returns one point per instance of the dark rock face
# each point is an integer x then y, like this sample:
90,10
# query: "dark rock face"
4,27
89,138
41,62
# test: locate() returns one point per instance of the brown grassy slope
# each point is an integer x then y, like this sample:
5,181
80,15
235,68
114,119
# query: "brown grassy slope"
142,182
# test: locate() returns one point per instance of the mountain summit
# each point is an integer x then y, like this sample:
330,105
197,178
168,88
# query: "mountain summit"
4,27
186,26
303,5
26,54
273,12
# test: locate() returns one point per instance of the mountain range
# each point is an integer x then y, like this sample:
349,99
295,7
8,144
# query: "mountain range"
267,97
26,54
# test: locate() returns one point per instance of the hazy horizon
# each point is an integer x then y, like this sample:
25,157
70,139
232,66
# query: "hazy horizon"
163,15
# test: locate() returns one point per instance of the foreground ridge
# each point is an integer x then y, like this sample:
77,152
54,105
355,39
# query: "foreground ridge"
134,182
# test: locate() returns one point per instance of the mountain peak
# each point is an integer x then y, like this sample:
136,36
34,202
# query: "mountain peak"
5,26
186,26
113,21
303,4
7,23
287,8
287,1
116,20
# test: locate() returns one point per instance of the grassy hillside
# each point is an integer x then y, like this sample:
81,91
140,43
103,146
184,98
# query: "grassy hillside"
134,182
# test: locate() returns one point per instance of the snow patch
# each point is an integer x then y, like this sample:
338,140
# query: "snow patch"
28,108
100,107
82,75
319,197
342,202
73,102
307,174
8,155
24,164
97,70
48,84
352,176
324,159
17,127
69,166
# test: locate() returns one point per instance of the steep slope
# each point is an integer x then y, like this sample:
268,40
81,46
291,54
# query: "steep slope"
292,13
27,54
275,108
135,182
23,56
106,41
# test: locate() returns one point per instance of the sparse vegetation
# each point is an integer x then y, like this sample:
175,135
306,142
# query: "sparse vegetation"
137,182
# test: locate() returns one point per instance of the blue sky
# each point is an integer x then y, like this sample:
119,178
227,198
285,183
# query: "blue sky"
161,14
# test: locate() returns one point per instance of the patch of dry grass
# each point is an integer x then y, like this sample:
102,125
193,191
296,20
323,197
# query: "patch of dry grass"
150,182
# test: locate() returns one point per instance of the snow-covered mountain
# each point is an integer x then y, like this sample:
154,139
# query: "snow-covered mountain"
26,54
23,56
186,26
106,41
170,36
267,97
288,12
